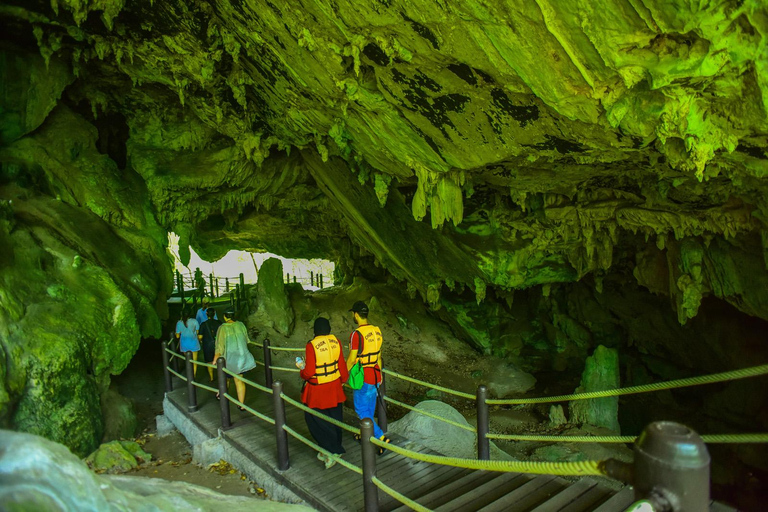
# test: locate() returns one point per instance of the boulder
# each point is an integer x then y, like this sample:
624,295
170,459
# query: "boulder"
439,436
38,474
164,425
117,457
557,416
601,372
505,379
274,308
119,413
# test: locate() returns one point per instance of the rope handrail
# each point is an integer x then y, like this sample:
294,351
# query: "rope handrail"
405,500
176,374
259,415
658,386
249,382
295,403
577,468
710,438
429,385
287,349
430,415
203,386
203,363
256,344
174,354
284,369
325,452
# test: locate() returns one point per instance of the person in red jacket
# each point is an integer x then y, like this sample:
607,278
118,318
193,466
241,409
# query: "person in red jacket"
324,371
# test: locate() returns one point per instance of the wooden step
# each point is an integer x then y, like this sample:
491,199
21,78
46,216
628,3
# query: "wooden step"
453,490
485,493
537,491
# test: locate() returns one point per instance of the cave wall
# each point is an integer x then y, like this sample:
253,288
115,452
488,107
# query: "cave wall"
483,155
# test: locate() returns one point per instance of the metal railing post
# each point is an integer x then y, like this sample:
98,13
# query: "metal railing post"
294,278
168,379
371,492
483,425
191,390
311,278
210,283
237,298
242,285
287,278
267,363
226,421
281,436
226,284
381,406
181,288
321,281
671,468
217,287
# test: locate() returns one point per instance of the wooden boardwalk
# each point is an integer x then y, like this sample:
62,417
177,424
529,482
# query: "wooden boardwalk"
440,488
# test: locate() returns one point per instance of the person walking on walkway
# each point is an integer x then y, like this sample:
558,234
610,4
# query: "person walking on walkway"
232,345
208,330
365,346
187,333
324,372
202,313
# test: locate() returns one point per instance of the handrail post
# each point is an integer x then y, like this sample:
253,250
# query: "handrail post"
181,288
191,390
242,287
168,379
217,287
226,421
311,278
210,283
226,284
321,281
371,492
281,436
671,468
483,425
381,407
267,363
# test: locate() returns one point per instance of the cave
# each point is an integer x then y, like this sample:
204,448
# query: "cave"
512,185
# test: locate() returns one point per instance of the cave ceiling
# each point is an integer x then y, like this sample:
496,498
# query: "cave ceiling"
467,145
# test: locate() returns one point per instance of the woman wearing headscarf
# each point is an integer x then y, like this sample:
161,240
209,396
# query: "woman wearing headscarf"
187,333
324,372
232,345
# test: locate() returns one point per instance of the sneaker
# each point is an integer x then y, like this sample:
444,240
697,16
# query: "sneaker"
321,457
329,463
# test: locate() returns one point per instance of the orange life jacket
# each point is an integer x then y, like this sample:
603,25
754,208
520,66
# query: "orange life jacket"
327,350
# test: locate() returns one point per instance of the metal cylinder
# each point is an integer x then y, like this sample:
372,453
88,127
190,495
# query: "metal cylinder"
311,278
267,363
226,284
281,436
191,389
381,406
210,283
483,424
168,379
217,287
226,421
321,280
672,468
370,490
242,285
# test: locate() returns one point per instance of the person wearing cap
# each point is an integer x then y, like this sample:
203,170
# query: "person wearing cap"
365,346
324,372
232,345
202,313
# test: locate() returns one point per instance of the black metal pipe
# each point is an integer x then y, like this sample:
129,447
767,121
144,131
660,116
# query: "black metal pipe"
226,421
168,379
267,363
312,278
226,284
381,406
281,436
210,283
483,424
671,468
191,389
321,280
217,287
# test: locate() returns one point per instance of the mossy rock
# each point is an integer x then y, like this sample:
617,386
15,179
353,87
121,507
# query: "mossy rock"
112,457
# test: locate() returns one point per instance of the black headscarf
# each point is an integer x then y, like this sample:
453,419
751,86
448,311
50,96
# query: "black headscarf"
322,327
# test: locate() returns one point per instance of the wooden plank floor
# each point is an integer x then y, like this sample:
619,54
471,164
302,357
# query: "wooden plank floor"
437,487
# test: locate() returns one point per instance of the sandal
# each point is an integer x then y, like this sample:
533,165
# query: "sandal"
218,397
241,408
385,439
357,437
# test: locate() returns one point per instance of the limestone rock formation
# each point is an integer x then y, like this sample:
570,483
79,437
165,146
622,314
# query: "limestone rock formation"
601,372
547,176
274,308
117,457
38,474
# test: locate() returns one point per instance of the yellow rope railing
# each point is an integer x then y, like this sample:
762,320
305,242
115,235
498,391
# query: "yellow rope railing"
340,424
645,388
578,468
428,385
176,374
249,382
287,349
430,415
259,415
203,363
284,369
325,452
405,500
203,386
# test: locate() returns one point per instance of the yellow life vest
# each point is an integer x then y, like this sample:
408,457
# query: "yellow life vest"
369,357
327,350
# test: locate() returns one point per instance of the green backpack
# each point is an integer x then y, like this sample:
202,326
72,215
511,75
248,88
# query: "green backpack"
356,376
